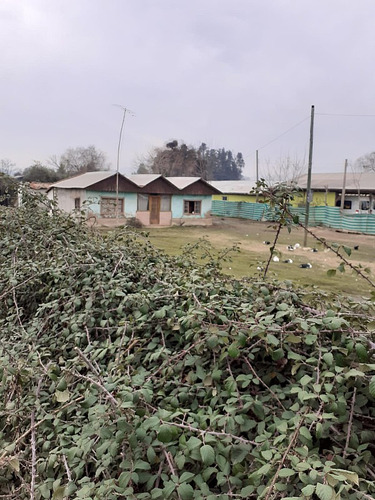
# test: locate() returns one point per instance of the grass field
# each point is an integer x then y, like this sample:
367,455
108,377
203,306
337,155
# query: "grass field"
249,235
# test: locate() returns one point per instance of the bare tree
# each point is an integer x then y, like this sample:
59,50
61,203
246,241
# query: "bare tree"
286,169
6,166
366,162
79,160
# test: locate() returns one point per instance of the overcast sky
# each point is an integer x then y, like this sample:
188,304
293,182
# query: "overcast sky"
238,74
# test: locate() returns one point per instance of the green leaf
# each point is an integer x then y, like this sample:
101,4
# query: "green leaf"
308,490
207,454
347,250
239,453
331,272
328,358
325,492
246,491
165,434
285,472
371,386
62,396
186,476
59,493
185,491
233,351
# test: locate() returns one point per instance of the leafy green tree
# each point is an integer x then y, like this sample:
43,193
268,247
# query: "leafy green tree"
8,190
183,160
40,173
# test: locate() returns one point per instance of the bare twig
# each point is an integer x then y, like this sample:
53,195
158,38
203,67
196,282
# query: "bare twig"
281,464
272,249
36,425
68,473
350,422
87,361
211,433
263,383
98,384
346,262
33,457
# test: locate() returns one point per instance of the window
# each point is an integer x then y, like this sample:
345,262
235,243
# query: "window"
108,207
365,205
165,203
143,205
224,198
77,203
347,204
192,207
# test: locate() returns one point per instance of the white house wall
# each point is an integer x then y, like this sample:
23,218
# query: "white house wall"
66,197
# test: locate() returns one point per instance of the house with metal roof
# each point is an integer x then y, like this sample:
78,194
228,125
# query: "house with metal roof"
111,198
358,190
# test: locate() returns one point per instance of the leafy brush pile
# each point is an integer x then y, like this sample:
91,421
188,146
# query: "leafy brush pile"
127,374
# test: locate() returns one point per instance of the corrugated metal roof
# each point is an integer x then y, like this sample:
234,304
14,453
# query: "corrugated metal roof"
233,187
143,179
334,181
182,182
84,180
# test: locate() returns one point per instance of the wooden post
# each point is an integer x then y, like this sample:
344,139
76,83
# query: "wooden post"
343,188
308,187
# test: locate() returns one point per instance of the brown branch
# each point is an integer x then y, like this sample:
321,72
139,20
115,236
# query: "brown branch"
33,457
323,242
211,433
350,422
35,426
68,473
281,464
272,249
263,383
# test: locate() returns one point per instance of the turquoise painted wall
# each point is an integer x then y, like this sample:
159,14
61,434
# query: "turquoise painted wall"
178,205
130,201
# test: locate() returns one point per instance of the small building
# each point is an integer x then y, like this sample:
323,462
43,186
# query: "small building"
327,190
153,199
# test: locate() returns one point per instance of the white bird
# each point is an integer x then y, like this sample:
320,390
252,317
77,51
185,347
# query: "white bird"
306,266
275,258
297,245
290,248
260,268
288,261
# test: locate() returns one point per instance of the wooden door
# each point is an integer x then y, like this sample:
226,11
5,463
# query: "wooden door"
154,209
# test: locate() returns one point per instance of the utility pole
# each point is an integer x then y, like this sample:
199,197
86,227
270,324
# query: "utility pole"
343,187
257,173
125,110
308,187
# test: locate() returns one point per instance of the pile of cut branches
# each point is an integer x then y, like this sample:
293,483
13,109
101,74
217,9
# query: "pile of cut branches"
128,374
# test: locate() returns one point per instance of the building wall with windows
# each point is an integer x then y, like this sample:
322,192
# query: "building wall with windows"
127,202
68,200
182,206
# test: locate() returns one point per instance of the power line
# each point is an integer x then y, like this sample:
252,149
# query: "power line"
341,114
285,132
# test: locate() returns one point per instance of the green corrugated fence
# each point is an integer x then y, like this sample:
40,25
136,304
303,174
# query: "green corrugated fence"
318,216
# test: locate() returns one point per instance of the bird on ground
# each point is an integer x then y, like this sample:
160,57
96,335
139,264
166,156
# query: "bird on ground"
290,248
260,268
314,250
356,247
275,258
288,261
266,242
306,266
297,245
